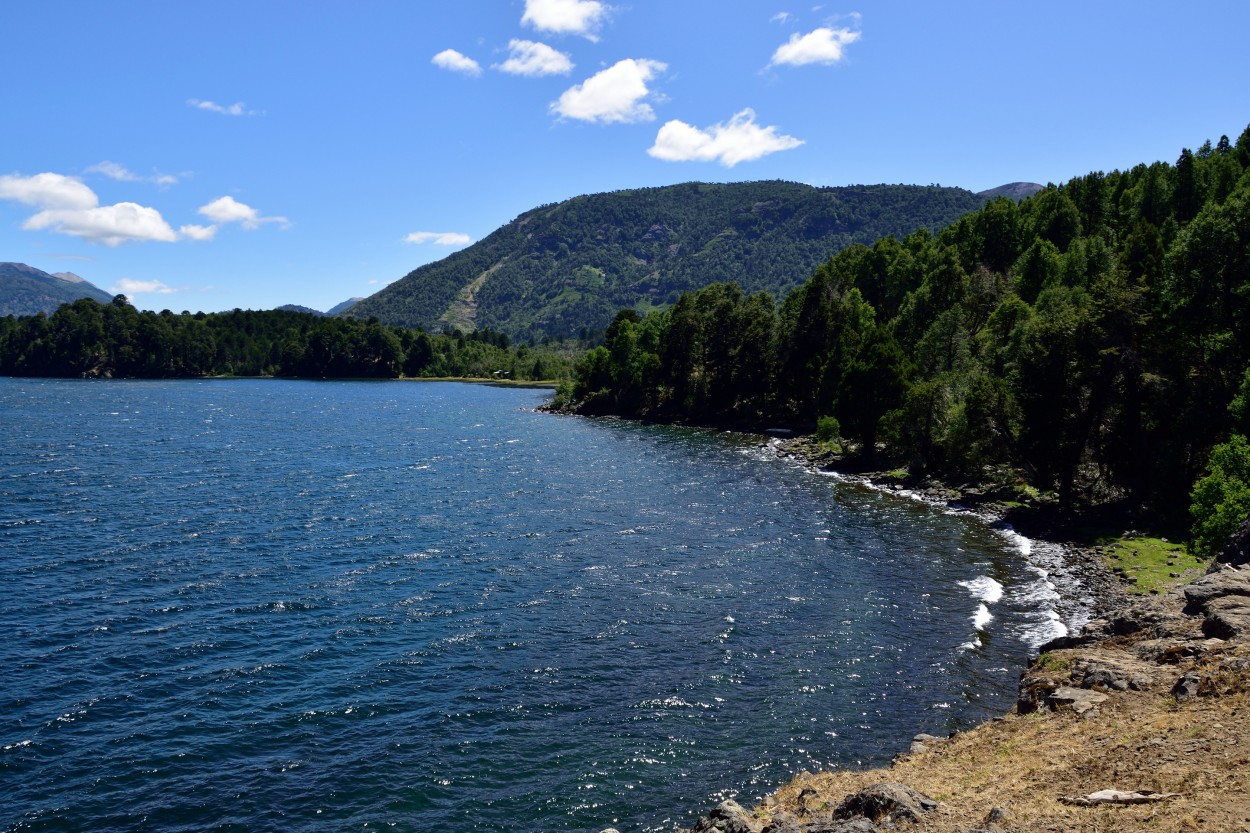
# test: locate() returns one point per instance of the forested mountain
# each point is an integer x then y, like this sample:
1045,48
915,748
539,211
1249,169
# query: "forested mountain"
300,308
25,290
90,339
564,269
1094,337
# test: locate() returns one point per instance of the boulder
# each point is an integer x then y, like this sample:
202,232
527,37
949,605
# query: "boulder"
1228,617
1104,672
1080,700
1237,551
890,802
1215,586
728,817
1187,686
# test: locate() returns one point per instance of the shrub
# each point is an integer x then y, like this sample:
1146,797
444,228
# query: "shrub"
828,429
1221,500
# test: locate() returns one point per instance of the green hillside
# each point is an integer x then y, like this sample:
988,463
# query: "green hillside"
25,290
1095,338
565,269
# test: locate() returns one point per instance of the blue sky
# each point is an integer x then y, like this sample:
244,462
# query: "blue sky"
250,154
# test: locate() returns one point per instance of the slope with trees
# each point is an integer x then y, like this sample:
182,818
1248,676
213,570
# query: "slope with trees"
1094,337
563,270
25,290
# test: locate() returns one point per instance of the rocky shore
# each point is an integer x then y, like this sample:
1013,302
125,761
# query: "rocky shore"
1137,723
1092,586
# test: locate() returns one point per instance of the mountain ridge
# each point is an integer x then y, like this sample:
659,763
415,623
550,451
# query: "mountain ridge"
564,269
25,290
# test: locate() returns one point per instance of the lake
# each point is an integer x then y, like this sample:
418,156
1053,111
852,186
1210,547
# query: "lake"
312,606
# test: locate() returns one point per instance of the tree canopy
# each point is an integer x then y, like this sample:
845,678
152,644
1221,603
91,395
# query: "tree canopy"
89,339
1092,336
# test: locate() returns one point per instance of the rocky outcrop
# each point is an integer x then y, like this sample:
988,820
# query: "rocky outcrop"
869,810
1237,551
890,803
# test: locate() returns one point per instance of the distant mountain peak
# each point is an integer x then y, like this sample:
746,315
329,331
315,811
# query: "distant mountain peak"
1012,190
25,290
344,305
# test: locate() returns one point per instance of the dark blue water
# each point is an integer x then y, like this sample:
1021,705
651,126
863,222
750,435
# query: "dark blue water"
271,605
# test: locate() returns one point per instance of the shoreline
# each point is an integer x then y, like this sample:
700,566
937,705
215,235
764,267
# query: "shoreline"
1078,568
1146,702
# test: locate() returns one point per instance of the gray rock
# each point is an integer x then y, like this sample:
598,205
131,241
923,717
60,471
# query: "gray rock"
728,817
1187,686
1237,550
891,802
1101,678
783,822
1228,617
1079,700
1217,585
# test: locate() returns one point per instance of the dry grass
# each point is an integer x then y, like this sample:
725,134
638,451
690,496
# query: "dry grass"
1199,748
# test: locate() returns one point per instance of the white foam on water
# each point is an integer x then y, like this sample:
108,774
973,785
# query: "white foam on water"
984,588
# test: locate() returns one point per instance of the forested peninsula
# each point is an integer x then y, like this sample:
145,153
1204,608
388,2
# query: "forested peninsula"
1092,340
94,340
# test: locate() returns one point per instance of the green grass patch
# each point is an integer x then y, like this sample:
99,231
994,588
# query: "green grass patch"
1152,563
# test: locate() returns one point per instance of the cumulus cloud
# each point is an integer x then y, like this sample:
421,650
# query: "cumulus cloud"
529,58
565,17
229,210
130,287
456,62
112,225
70,207
48,191
614,95
738,140
198,233
236,109
439,238
821,46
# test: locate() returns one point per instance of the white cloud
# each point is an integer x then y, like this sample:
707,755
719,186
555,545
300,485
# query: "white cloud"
130,286
199,233
614,95
822,46
112,225
456,62
527,57
230,210
114,171
48,191
120,173
236,109
739,140
439,238
565,17
780,17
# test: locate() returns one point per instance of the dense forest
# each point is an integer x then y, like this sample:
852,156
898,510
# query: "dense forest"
1093,337
564,270
90,339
